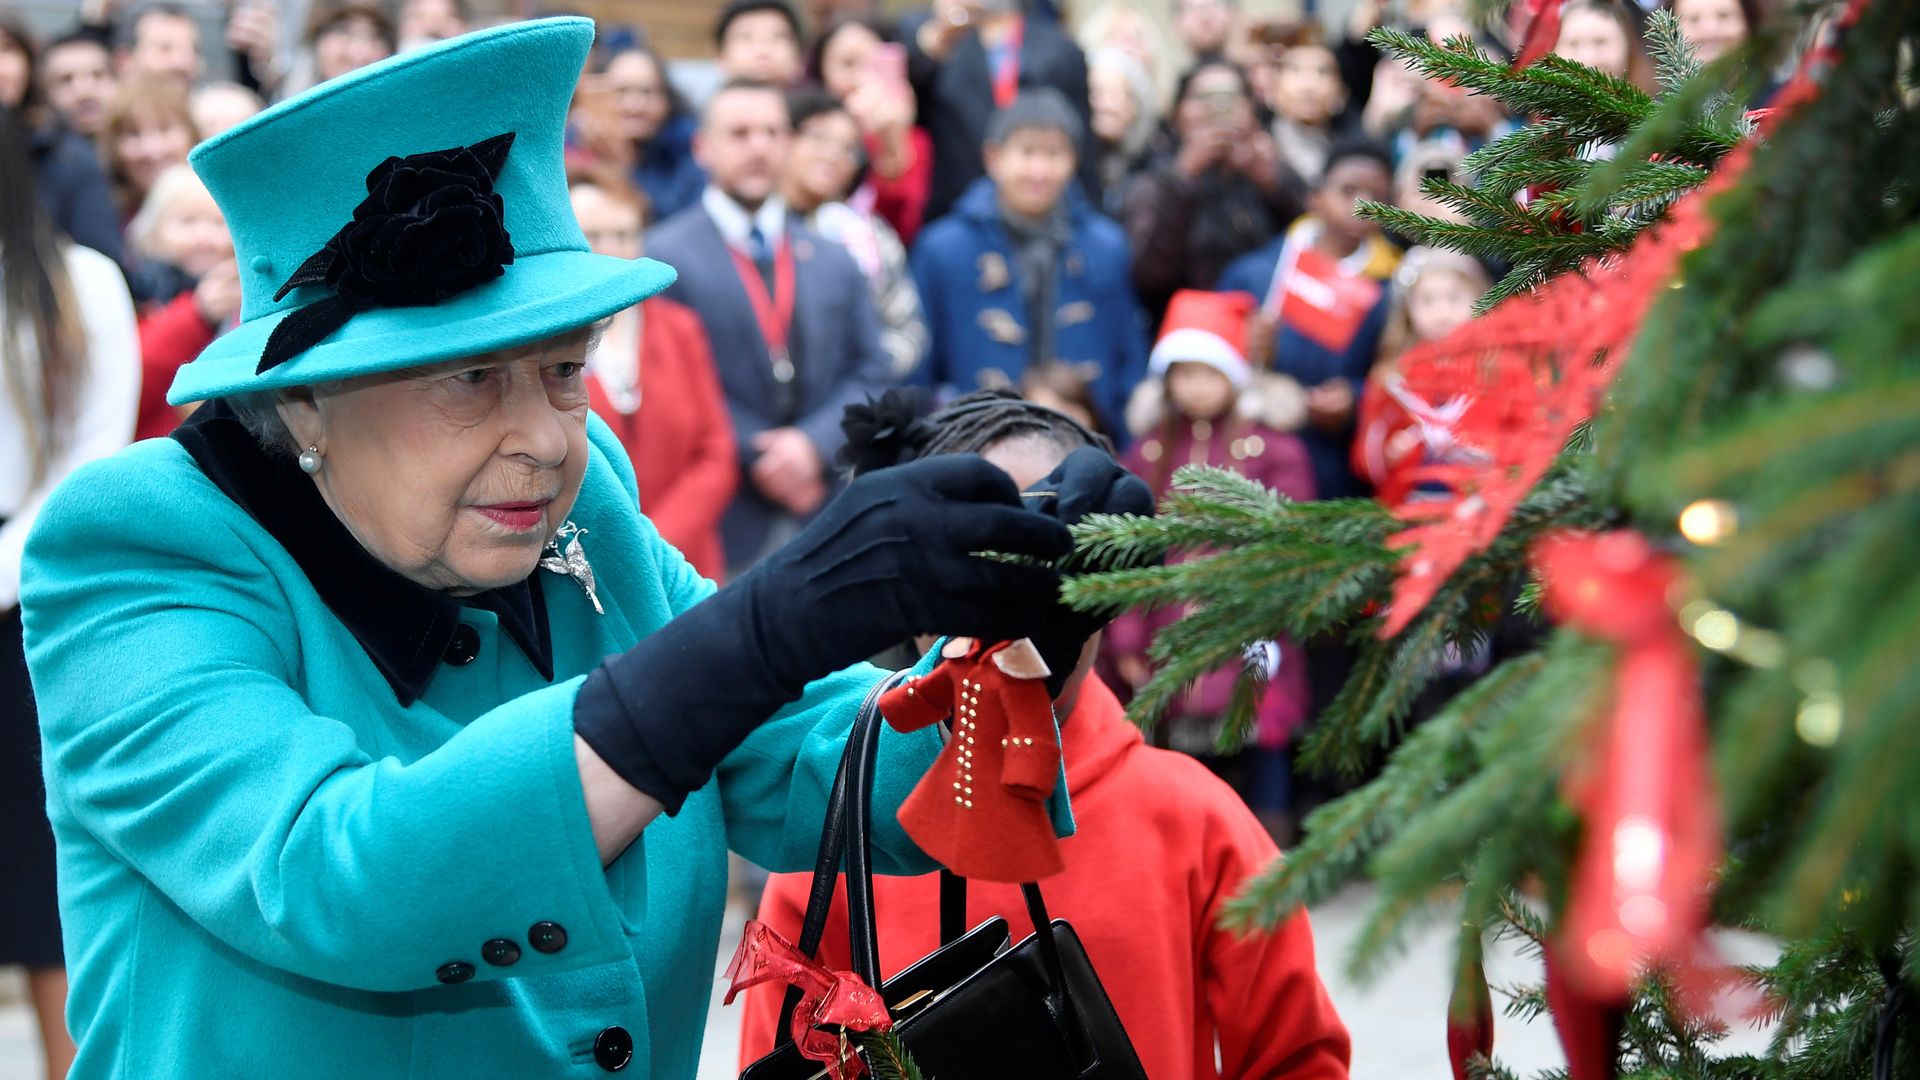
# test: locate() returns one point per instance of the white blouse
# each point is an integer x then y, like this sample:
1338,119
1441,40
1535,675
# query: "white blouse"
109,397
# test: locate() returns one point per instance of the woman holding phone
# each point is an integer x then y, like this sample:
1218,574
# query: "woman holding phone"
1220,193
857,61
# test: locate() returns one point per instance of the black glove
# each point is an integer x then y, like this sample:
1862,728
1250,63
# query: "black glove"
891,557
1088,482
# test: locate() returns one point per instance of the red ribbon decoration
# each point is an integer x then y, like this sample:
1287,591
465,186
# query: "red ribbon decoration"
1643,877
773,312
1469,1018
827,998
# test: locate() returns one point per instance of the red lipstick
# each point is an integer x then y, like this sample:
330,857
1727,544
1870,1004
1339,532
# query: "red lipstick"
517,516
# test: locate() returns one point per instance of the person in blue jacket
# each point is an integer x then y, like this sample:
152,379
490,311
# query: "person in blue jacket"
1321,288
383,736
1025,273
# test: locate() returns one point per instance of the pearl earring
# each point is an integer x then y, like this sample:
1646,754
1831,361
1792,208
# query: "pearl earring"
310,460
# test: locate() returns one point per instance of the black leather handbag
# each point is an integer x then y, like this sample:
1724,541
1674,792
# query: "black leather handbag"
976,1008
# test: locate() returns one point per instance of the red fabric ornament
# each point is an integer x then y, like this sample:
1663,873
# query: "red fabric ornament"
1589,1028
837,999
1469,1018
1541,33
1644,873
981,810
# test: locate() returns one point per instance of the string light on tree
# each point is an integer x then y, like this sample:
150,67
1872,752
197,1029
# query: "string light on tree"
1708,522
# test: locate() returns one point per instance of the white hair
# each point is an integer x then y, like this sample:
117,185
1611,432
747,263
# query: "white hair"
174,182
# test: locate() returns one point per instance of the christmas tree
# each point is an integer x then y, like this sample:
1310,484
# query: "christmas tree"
1693,419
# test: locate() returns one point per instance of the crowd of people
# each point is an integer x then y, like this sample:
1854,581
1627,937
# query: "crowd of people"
1153,233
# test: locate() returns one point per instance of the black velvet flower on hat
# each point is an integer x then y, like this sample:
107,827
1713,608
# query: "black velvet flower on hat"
892,430
430,228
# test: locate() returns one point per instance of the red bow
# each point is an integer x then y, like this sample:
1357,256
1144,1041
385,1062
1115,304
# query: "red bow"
1645,870
827,998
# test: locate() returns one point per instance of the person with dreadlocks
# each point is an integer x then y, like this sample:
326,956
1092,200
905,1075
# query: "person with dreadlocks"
1161,843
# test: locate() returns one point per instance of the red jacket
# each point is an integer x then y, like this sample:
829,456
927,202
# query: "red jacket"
1161,844
902,200
171,334
679,437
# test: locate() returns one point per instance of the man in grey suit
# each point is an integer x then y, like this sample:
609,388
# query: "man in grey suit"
794,333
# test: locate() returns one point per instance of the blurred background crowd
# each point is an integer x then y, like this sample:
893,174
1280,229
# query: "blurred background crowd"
1138,212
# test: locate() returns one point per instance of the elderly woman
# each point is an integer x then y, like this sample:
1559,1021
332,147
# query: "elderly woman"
383,735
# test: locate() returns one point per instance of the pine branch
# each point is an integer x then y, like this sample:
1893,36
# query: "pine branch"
888,1056
1674,63
1342,835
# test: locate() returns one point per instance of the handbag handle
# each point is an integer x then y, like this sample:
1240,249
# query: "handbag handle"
833,848
862,930
846,841
953,924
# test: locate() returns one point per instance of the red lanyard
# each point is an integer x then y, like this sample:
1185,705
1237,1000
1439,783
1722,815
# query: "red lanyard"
775,313
1006,77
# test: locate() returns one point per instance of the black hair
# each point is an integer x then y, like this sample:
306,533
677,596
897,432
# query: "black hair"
38,298
80,34
896,428
736,8
14,31
1039,108
327,14
1208,64
1357,146
807,102
817,52
602,59
128,31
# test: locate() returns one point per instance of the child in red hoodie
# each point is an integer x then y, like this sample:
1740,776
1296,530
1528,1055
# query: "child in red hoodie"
1162,844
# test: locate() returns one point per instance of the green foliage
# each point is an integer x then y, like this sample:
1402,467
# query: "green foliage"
1781,377
1569,216
888,1056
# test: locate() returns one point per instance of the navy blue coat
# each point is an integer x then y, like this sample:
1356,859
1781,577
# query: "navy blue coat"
1311,363
835,343
667,172
969,284
75,192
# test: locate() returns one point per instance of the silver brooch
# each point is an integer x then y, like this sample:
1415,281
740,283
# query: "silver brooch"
571,561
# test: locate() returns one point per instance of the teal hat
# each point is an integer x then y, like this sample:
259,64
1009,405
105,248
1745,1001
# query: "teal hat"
352,262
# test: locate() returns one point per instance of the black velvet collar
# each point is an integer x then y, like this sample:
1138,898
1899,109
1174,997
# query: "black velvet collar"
404,626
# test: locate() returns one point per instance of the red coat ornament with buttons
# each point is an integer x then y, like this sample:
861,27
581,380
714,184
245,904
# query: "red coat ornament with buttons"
981,810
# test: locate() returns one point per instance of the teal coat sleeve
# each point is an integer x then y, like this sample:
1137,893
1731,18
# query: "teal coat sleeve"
166,674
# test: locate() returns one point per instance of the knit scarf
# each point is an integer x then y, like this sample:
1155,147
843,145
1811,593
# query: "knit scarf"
1037,244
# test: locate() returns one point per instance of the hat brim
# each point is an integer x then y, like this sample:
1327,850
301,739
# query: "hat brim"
538,296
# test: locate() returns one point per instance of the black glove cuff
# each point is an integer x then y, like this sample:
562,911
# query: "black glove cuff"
664,714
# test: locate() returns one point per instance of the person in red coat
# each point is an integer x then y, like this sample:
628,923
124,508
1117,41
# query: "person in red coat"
652,380
1161,845
184,256
1199,407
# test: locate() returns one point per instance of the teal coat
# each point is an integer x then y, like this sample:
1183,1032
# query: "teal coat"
264,857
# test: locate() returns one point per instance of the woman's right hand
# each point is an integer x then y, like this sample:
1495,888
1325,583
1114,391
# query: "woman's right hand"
899,553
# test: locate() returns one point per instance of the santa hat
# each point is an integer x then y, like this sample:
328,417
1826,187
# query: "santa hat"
1205,328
